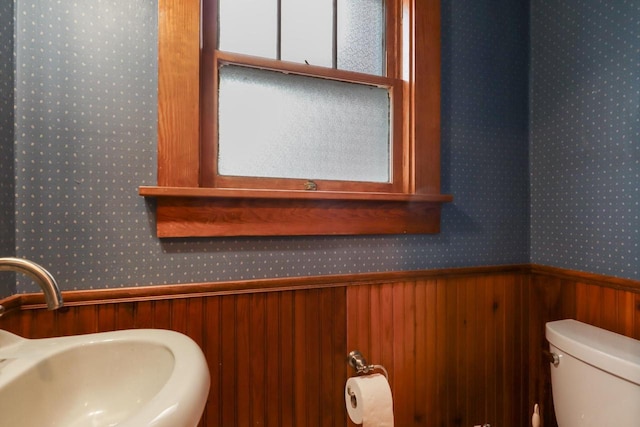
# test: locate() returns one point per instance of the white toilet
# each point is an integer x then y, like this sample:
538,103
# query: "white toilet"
596,382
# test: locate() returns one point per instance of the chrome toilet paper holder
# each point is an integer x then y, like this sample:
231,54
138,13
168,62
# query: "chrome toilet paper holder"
359,363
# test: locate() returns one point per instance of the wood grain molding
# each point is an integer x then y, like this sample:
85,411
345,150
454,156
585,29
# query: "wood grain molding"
178,91
202,217
584,277
195,290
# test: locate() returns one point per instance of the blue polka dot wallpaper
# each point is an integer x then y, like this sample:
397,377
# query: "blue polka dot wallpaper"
86,139
585,135
7,225
85,132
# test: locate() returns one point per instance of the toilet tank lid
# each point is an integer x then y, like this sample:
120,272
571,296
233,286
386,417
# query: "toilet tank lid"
611,352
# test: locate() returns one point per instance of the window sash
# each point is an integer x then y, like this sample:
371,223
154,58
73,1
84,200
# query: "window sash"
398,151
269,29
399,145
283,125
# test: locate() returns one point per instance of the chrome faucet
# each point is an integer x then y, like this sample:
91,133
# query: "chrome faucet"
42,277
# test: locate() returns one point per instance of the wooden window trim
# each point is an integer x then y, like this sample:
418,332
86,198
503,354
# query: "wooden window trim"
187,205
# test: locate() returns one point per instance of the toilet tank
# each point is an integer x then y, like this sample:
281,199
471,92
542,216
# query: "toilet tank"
597,382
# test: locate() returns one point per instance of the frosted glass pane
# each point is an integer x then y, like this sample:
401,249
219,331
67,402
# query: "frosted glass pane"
307,31
361,36
287,126
249,27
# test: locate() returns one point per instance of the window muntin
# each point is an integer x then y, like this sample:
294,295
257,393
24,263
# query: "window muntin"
307,31
342,34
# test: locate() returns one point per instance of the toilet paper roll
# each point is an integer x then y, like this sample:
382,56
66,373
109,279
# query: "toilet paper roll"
368,400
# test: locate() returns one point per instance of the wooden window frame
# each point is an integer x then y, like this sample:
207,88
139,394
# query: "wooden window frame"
193,202
398,140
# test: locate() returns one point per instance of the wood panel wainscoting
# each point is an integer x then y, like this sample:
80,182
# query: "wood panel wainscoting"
462,346
606,302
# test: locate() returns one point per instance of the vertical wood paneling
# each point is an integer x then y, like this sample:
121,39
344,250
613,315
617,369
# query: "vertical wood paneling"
329,395
125,315
325,364
553,299
431,371
299,360
587,303
226,389
609,315
41,324
258,362
287,343
447,354
405,350
64,325
425,392
513,351
86,320
339,347
488,308
607,308
625,313
385,335
456,350
499,354
460,350
549,299
161,314
470,354
272,362
143,314
442,396
195,320
448,337
178,315
308,378
243,358
106,319
211,338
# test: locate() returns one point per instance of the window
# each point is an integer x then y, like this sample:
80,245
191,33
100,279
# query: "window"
219,77
306,91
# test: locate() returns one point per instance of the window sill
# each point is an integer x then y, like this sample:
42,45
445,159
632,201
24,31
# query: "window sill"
205,212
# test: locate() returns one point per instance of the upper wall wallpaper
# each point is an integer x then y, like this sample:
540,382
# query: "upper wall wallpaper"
86,139
585,135
7,189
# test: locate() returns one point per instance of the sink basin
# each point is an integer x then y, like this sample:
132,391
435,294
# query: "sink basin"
132,378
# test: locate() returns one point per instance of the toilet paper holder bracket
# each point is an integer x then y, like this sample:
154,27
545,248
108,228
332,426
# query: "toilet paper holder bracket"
359,363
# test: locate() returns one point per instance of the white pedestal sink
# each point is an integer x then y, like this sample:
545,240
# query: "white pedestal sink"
132,378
